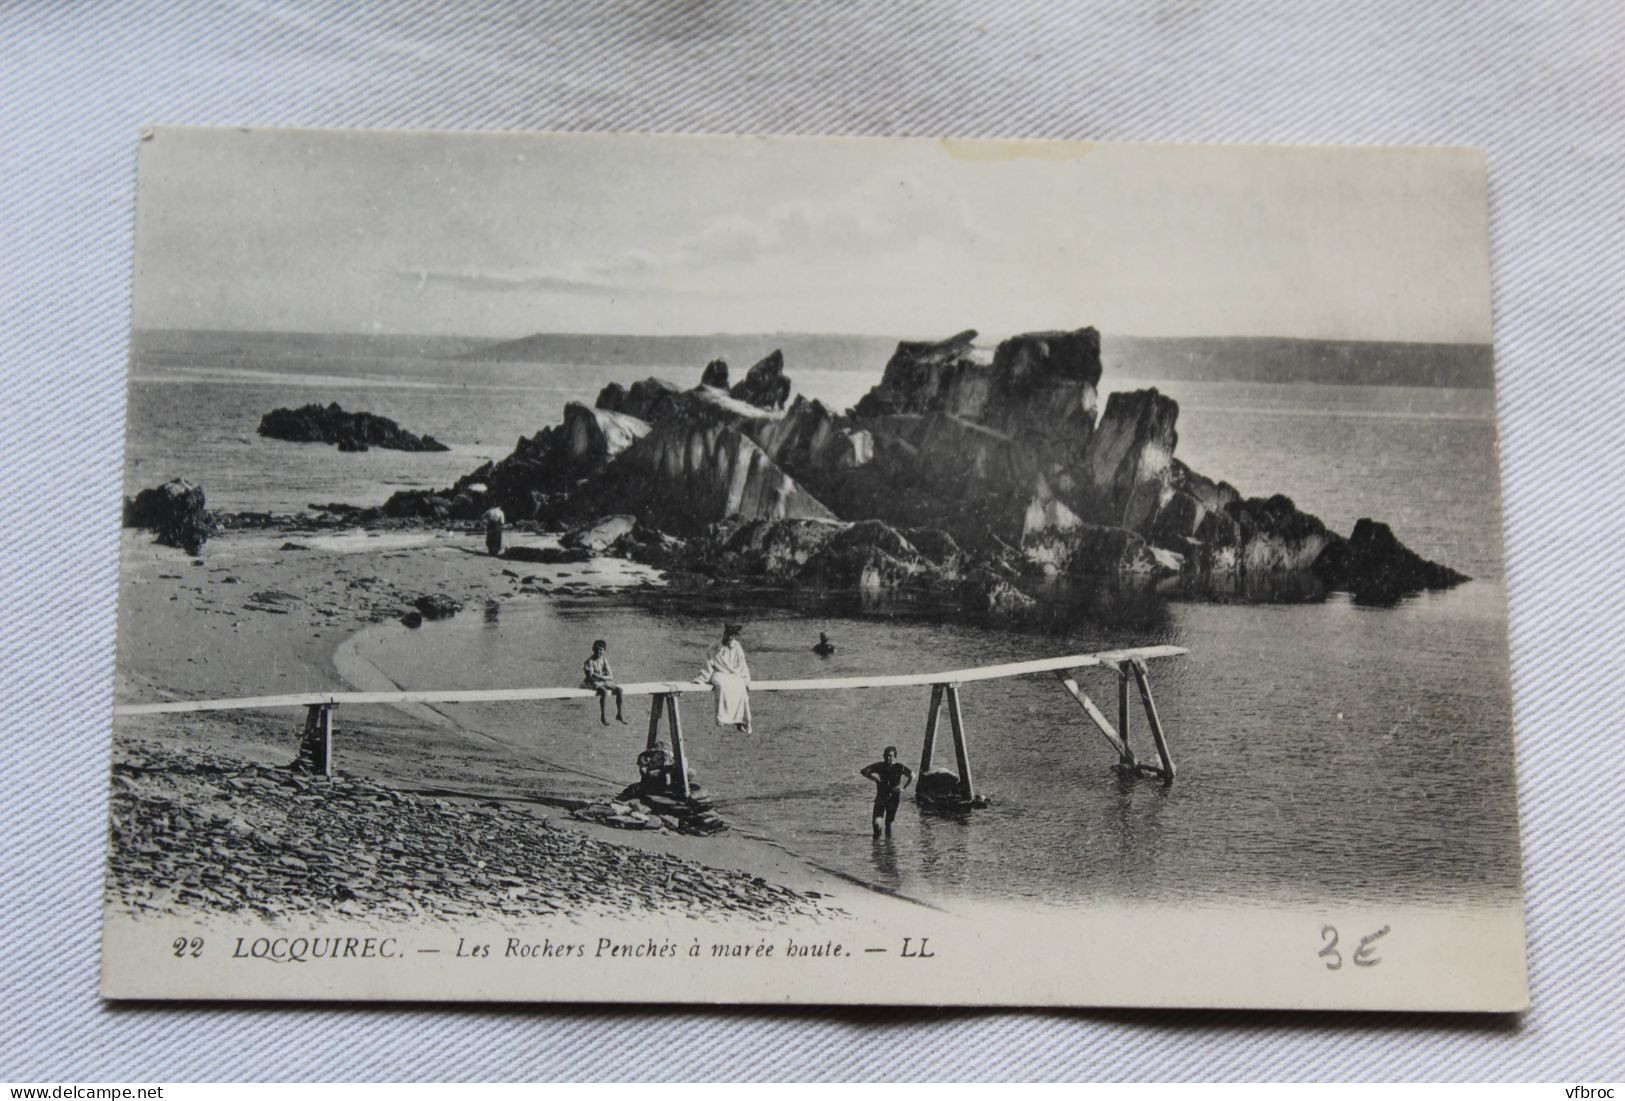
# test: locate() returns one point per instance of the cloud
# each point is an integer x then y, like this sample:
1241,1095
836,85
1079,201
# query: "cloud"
500,281
886,215
890,223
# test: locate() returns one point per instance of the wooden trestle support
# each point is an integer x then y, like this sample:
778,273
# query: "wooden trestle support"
1129,671
667,704
316,743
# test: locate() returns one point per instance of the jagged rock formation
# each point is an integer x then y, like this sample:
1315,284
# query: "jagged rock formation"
175,511
688,474
715,374
648,400
350,431
764,384
962,474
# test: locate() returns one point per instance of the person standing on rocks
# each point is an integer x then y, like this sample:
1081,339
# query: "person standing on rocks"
597,675
889,778
494,519
728,674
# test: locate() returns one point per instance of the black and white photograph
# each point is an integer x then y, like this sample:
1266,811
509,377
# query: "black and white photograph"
581,567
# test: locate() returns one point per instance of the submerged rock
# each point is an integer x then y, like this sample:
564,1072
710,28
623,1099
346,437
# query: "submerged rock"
330,424
987,591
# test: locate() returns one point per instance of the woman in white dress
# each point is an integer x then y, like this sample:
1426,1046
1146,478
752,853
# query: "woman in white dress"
728,674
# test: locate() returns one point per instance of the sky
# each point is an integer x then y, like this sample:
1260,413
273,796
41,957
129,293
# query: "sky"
504,235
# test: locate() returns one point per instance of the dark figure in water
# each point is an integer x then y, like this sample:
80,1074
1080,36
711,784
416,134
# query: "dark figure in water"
494,519
889,778
825,647
597,675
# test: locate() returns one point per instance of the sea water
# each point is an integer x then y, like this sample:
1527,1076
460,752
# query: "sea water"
1324,749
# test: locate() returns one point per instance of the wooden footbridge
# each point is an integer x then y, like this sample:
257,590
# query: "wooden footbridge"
316,745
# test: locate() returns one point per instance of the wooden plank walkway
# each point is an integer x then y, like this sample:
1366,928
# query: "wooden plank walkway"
655,688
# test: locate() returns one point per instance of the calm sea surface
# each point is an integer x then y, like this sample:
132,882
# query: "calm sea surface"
1325,750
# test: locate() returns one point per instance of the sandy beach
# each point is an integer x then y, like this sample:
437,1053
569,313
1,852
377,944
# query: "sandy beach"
423,819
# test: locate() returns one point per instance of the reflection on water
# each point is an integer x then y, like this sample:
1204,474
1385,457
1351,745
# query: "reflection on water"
1326,750
885,861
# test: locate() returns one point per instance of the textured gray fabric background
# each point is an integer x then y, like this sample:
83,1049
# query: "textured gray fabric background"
1539,84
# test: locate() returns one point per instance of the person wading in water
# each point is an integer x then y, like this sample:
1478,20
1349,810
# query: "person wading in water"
890,778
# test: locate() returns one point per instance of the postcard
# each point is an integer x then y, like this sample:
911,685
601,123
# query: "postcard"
576,567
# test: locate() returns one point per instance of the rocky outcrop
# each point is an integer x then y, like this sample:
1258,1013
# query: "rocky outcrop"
649,400
946,376
590,438
536,480
1003,456
868,556
1094,550
779,549
1046,383
601,535
1128,464
176,512
765,384
417,504
715,374
810,438
1275,537
350,431
989,593
687,474
1377,568
985,437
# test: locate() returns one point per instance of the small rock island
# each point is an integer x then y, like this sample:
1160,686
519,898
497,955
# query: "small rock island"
329,423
